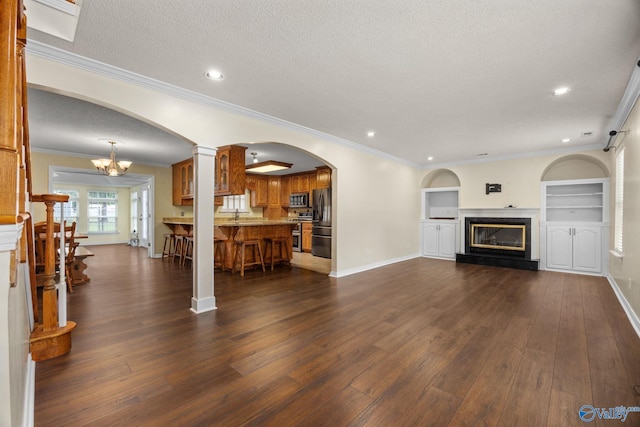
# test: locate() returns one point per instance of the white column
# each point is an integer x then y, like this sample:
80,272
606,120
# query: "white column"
204,168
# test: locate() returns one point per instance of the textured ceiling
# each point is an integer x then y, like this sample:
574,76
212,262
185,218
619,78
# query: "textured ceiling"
439,78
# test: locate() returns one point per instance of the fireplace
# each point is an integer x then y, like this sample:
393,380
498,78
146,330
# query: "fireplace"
497,241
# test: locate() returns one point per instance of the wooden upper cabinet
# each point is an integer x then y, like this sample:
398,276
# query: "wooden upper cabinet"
183,184
285,191
230,170
323,177
274,191
300,183
258,189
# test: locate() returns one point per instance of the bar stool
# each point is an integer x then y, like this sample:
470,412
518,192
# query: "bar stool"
169,245
218,253
281,244
178,249
187,253
240,246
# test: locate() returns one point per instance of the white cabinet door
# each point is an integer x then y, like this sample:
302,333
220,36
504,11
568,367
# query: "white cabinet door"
430,239
560,247
587,242
439,239
447,241
574,248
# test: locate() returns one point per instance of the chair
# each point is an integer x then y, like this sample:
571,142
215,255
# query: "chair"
169,246
40,230
219,248
281,244
239,255
187,252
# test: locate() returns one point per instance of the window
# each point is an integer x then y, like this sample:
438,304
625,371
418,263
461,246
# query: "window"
235,203
70,208
619,202
103,212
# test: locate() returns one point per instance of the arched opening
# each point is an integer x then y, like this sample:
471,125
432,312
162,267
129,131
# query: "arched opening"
440,178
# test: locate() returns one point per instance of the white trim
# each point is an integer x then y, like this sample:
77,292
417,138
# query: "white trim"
9,236
372,266
51,53
203,305
631,315
30,393
62,6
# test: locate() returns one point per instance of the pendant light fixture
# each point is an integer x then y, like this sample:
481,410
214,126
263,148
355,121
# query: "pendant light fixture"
109,166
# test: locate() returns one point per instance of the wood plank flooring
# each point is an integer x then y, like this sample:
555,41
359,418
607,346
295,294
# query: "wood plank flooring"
419,343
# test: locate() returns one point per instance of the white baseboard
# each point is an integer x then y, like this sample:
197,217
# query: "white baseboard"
633,317
362,268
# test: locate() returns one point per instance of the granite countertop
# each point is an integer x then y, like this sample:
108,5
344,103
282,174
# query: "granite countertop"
231,223
249,223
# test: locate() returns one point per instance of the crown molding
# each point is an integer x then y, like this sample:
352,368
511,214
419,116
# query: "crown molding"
54,54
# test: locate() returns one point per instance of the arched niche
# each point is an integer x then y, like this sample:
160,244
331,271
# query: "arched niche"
575,166
440,178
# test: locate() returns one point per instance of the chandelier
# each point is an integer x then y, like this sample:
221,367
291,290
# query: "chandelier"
110,166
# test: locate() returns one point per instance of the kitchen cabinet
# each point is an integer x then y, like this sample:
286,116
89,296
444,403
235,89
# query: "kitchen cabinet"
440,239
182,183
574,248
274,207
258,189
574,226
300,183
323,177
306,236
313,184
285,191
230,170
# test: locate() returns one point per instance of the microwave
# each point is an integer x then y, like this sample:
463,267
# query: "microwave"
299,200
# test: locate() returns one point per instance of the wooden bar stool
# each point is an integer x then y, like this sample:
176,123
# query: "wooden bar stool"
218,253
187,253
169,246
240,246
281,244
178,248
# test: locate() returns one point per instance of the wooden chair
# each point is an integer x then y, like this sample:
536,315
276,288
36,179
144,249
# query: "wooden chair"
40,230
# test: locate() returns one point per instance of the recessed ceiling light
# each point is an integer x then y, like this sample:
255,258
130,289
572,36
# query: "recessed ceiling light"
566,139
214,75
371,134
430,158
561,91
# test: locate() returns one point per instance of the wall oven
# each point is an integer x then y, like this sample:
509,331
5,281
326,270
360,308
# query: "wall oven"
297,238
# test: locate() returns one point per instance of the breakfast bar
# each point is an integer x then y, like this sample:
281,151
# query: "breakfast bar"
244,229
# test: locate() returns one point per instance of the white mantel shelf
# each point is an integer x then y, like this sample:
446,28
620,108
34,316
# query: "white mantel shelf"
533,213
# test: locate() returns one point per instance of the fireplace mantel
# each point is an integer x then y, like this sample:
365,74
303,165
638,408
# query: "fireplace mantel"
532,213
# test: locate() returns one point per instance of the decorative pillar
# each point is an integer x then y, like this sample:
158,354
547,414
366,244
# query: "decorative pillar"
203,299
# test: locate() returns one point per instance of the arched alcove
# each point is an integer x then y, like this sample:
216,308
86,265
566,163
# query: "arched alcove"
575,166
440,178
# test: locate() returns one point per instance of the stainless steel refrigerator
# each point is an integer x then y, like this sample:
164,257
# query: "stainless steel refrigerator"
321,230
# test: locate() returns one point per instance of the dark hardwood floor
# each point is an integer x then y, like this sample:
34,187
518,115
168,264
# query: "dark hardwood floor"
418,343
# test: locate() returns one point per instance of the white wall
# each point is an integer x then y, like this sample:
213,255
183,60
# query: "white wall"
626,271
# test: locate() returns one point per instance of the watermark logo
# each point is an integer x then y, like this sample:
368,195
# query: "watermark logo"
589,413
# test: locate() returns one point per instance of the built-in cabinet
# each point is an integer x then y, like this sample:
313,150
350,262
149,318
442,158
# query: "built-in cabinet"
258,187
440,238
183,186
440,228
323,177
299,183
574,226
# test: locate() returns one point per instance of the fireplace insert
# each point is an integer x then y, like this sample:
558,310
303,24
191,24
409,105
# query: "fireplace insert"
504,237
